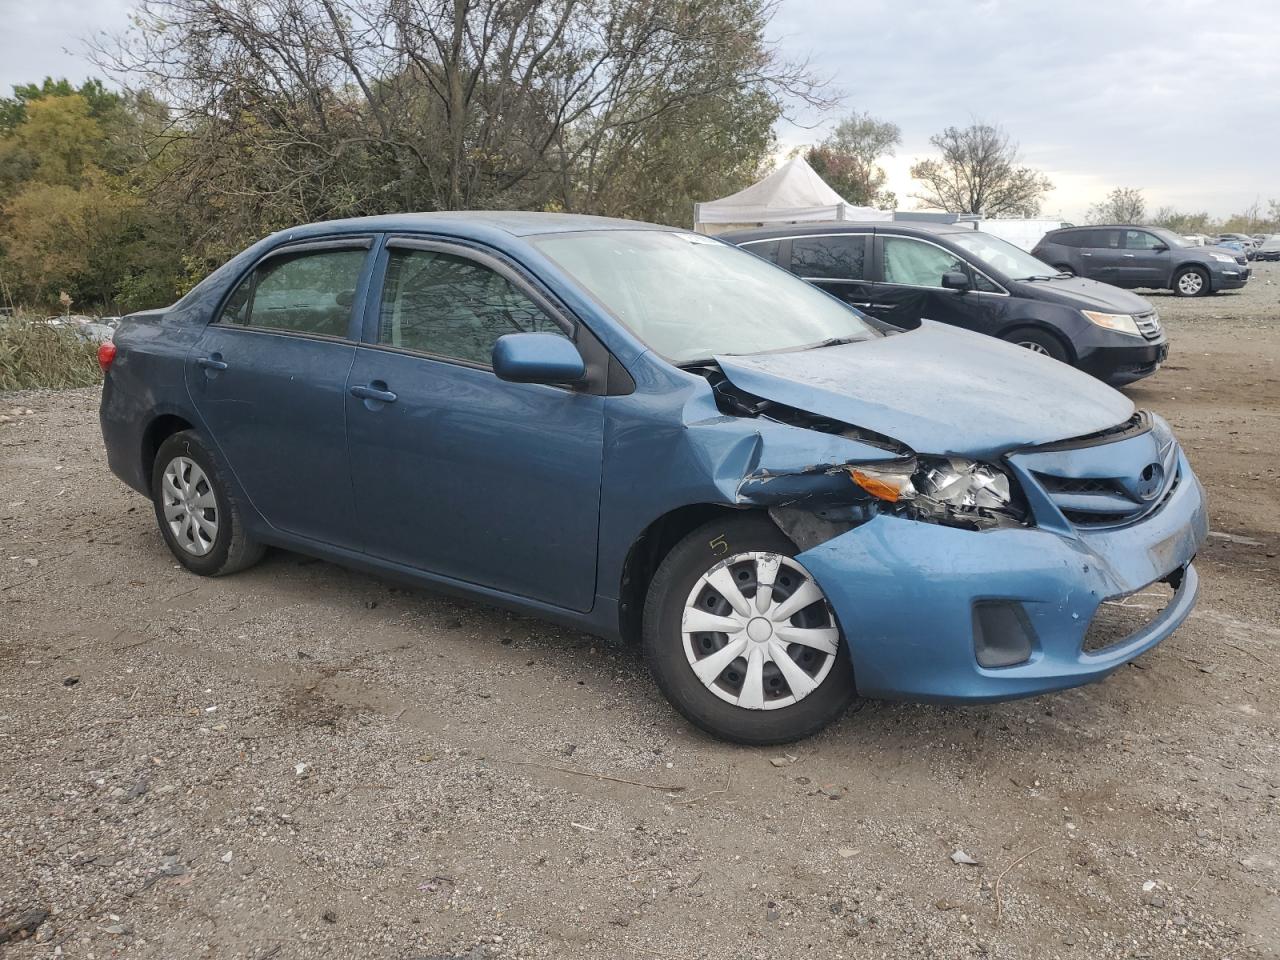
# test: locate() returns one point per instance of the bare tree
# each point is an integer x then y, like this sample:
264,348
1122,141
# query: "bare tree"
979,173
1122,205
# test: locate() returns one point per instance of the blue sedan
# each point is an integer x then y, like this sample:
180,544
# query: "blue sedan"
652,435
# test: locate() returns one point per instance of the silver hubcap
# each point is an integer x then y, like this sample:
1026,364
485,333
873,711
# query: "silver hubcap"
1190,282
190,508
758,631
1033,347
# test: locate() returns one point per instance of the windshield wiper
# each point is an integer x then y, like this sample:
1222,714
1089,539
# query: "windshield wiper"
1044,276
834,342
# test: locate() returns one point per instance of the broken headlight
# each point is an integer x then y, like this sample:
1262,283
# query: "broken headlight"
950,490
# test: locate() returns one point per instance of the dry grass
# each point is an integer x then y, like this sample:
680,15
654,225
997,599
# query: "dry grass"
35,355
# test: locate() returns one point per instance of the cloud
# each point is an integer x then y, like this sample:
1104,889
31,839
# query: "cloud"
44,38
1178,97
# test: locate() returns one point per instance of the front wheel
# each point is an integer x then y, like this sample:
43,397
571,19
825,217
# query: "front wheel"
741,638
197,518
1038,341
1191,282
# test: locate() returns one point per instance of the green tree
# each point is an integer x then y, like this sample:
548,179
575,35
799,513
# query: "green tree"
1181,222
849,159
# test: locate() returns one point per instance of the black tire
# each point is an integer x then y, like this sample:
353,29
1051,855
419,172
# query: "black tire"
231,550
1040,341
1184,285
664,650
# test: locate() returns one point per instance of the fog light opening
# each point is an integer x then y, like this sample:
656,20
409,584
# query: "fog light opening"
1002,633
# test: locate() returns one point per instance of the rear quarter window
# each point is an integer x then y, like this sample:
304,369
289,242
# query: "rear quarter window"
764,249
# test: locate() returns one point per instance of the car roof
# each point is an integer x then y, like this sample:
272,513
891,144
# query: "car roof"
467,224
906,227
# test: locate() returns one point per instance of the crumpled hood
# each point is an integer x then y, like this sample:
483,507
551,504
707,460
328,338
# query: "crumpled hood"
937,389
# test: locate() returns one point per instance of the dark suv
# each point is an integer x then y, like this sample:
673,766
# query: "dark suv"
1135,256
903,273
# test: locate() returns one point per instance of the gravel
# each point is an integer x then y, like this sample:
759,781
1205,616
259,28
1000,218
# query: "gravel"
302,761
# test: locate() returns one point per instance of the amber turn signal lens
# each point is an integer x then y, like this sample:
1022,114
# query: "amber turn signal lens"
880,489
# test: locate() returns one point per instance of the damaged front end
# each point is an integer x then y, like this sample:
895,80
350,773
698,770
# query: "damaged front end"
866,476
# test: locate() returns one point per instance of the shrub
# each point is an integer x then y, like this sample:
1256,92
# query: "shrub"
35,354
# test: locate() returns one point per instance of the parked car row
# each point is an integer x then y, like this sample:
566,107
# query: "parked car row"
656,436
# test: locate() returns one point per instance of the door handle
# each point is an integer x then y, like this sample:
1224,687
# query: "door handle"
374,391
863,305
1129,256
1086,254
212,362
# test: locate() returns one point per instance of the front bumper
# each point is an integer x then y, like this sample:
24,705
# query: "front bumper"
1229,276
1120,363
906,594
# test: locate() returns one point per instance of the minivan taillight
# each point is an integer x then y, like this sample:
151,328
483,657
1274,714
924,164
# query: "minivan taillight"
106,353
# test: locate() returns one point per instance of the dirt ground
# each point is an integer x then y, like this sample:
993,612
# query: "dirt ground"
301,761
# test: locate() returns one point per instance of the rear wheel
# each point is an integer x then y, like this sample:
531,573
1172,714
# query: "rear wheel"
740,637
197,519
1191,282
1038,341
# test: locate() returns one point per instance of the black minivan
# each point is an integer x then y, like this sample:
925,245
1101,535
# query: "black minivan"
903,273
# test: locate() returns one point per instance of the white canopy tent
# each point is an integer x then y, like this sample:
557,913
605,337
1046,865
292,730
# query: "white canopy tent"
793,193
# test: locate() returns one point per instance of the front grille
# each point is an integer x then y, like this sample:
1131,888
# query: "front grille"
1119,618
1097,504
1148,324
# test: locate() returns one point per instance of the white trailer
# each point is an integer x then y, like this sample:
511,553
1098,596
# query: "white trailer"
1021,233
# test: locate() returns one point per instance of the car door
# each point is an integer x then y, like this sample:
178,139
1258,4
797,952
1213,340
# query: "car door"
457,472
909,288
1146,260
1103,256
268,378
837,263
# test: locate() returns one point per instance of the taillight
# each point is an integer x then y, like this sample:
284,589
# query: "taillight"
106,353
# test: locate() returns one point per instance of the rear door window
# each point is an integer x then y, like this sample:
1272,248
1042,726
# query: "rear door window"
1104,239
307,292
830,258
453,307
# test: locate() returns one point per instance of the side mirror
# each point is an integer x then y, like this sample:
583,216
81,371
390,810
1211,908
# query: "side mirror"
1160,248
537,358
956,280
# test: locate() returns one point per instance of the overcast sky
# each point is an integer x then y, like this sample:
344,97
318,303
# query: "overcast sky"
1179,97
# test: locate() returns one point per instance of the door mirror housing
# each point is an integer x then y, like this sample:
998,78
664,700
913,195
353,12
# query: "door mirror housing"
956,280
1160,248
537,358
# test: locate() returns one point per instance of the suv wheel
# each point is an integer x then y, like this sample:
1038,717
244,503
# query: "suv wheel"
1191,282
197,519
740,637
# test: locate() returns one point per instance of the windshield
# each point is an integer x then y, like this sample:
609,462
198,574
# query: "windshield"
690,297
1014,262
